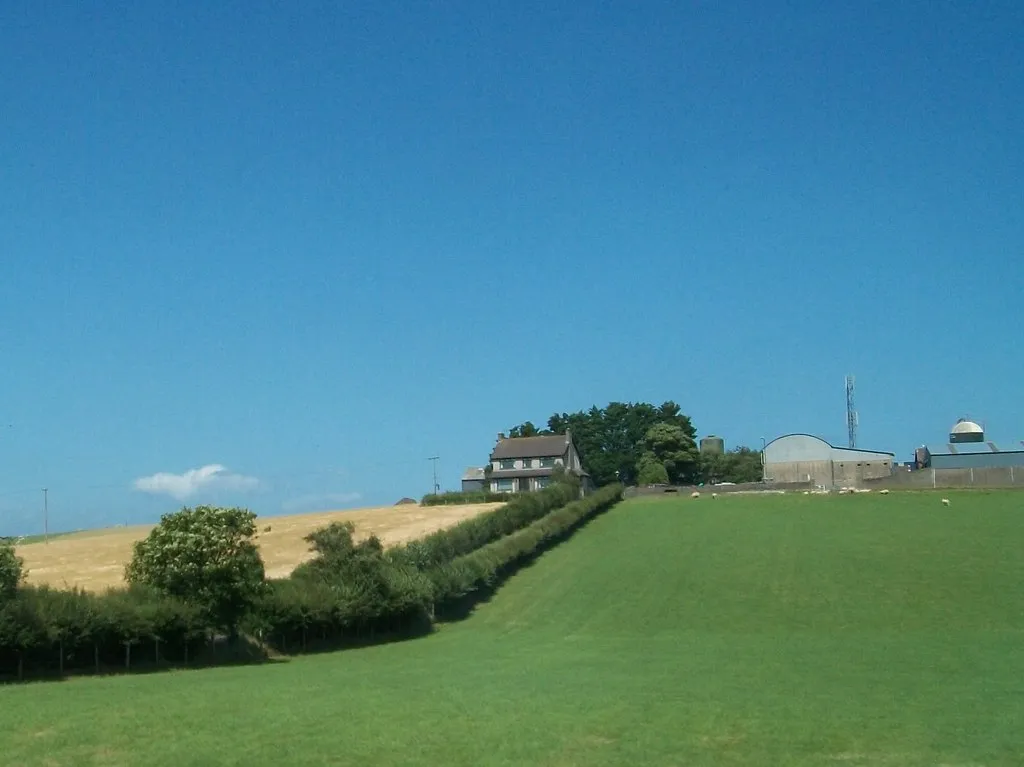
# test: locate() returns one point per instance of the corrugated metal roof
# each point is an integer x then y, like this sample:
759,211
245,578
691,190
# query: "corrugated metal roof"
974,448
530,447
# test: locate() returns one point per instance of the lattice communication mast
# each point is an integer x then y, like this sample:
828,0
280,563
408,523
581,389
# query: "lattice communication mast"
851,413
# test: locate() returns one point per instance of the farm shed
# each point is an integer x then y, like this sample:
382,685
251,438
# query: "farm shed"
974,455
806,458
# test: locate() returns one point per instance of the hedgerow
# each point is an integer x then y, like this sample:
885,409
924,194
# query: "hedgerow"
54,631
454,580
455,498
470,534
348,591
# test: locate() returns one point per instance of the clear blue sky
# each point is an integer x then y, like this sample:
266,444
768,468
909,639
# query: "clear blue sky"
317,243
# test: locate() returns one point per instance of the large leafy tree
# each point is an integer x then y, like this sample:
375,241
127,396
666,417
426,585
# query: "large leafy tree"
11,573
670,446
611,440
651,471
206,556
741,464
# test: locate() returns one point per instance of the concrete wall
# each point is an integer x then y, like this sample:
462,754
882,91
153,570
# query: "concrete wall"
977,460
924,479
829,473
813,472
632,492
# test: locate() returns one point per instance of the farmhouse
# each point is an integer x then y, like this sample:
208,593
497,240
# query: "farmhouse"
805,458
522,464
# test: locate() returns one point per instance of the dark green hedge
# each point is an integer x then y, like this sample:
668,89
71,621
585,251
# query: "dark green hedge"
460,577
470,534
454,498
55,631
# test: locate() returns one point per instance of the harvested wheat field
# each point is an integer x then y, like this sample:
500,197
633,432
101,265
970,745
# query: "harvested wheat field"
95,559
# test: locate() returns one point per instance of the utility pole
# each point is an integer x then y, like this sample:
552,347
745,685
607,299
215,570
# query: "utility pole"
46,516
434,459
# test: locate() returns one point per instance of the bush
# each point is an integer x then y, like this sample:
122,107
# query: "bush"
206,556
347,589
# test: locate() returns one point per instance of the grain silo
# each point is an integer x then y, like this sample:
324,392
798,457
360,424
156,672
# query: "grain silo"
966,431
712,445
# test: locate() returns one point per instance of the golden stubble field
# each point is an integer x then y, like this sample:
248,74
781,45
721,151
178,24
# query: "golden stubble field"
95,559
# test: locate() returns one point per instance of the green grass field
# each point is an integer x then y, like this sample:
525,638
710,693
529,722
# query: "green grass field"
782,630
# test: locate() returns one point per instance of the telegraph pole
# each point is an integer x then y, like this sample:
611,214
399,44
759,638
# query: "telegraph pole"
46,516
434,459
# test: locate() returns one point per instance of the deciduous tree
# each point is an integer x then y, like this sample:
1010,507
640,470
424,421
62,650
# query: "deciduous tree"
206,556
673,449
11,570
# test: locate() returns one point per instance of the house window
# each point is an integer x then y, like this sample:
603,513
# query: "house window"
543,482
505,485
527,463
547,463
508,463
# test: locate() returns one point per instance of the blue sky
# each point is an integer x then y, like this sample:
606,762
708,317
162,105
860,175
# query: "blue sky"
315,244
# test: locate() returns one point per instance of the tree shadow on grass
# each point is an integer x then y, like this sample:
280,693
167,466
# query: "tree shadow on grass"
319,643
219,653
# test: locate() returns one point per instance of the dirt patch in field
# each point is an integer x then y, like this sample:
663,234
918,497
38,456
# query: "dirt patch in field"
95,559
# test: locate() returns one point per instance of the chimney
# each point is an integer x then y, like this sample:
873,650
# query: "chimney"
501,436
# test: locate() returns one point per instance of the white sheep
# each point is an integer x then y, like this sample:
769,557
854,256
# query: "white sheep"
714,495
945,501
695,494
883,492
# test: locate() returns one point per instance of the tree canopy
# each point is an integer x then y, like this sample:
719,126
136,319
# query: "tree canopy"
642,443
11,573
206,556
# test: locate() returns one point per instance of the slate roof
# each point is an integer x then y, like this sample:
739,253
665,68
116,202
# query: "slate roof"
974,448
473,473
531,447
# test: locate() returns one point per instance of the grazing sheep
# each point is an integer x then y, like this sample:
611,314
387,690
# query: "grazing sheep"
695,494
714,495
945,501
883,492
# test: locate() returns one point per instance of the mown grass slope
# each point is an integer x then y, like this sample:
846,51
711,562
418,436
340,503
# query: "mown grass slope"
786,630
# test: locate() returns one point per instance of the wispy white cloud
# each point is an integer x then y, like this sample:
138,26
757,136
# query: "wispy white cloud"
212,477
319,501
